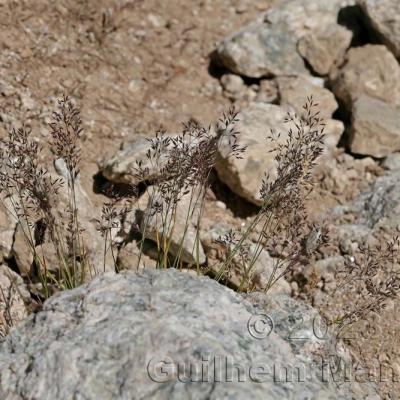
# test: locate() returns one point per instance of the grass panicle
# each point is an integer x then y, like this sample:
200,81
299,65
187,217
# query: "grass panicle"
281,222
31,195
185,163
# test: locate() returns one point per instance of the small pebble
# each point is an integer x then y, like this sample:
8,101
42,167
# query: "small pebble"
220,205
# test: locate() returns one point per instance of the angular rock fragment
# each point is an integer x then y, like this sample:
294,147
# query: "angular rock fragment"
129,257
269,46
243,176
262,50
120,168
375,128
294,91
384,18
369,70
324,48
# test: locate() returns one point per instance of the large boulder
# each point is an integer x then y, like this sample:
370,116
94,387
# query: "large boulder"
168,335
304,16
375,129
261,49
269,46
370,70
384,18
244,176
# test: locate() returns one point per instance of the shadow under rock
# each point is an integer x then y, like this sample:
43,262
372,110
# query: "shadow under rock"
114,190
354,19
240,207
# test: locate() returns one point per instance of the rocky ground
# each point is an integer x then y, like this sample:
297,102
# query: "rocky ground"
135,65
42,359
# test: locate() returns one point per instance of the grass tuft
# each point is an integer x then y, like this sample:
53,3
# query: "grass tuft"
177,173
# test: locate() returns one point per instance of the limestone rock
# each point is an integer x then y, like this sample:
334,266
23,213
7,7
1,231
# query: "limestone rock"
261,50
121,167
92,239
152,226
294,91
244,176
369,70
256,279
325,268
87,215
267,92
305,16
21,250
334,130
14,298
233,85
384,18
392,162
122,336
129,257
378,205
375,128
269,46
7,229
263,272
325,47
